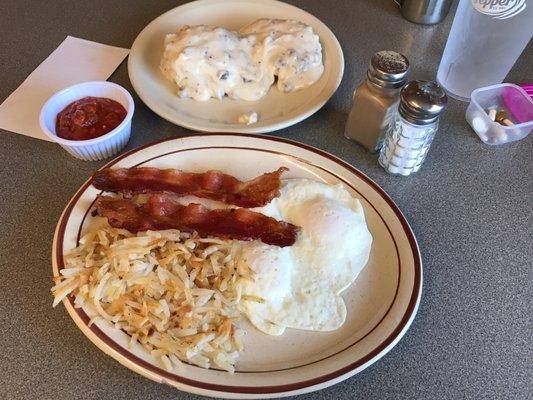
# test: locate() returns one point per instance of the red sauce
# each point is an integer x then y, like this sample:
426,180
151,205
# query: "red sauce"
89,118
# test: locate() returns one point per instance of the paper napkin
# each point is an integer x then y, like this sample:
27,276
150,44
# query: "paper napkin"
74,61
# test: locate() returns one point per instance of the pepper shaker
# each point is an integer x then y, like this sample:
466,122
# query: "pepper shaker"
376,99
414,126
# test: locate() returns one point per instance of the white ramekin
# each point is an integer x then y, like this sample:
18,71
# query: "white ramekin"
93,149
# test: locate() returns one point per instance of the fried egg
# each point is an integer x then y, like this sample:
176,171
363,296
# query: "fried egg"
300,286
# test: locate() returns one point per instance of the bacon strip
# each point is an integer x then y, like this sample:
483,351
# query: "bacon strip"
213,185
162,212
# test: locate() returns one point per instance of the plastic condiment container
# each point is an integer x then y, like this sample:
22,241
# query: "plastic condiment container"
98,148
492,97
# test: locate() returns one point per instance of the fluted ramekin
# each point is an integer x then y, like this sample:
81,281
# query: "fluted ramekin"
98,148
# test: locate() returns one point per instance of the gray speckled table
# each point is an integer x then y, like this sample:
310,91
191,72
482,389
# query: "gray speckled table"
470,207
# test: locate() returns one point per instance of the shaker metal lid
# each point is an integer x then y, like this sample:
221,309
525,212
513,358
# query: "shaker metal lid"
388,69
421,102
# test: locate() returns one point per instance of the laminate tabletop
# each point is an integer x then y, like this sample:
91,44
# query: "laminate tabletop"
469,206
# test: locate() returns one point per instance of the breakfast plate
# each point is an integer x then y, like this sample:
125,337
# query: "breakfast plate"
276,110
381,304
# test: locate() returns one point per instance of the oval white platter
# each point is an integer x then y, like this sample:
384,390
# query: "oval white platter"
276,110
381,303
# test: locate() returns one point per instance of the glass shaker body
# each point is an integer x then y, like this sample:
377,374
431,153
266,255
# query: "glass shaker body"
414,126
372,111
406,145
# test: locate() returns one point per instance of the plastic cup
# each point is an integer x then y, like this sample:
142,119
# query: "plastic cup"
486,39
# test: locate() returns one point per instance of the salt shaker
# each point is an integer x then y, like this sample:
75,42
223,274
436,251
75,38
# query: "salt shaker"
376,99
414,126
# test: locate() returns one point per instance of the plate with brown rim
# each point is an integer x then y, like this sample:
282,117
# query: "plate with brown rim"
382,302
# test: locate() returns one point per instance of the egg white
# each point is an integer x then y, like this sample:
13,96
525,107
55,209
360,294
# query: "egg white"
300,285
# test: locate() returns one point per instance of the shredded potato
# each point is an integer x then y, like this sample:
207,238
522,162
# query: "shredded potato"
174,293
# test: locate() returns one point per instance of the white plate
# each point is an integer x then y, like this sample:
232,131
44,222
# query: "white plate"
276,110
381,303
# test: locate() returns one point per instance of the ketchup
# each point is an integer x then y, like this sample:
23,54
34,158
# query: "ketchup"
89,118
